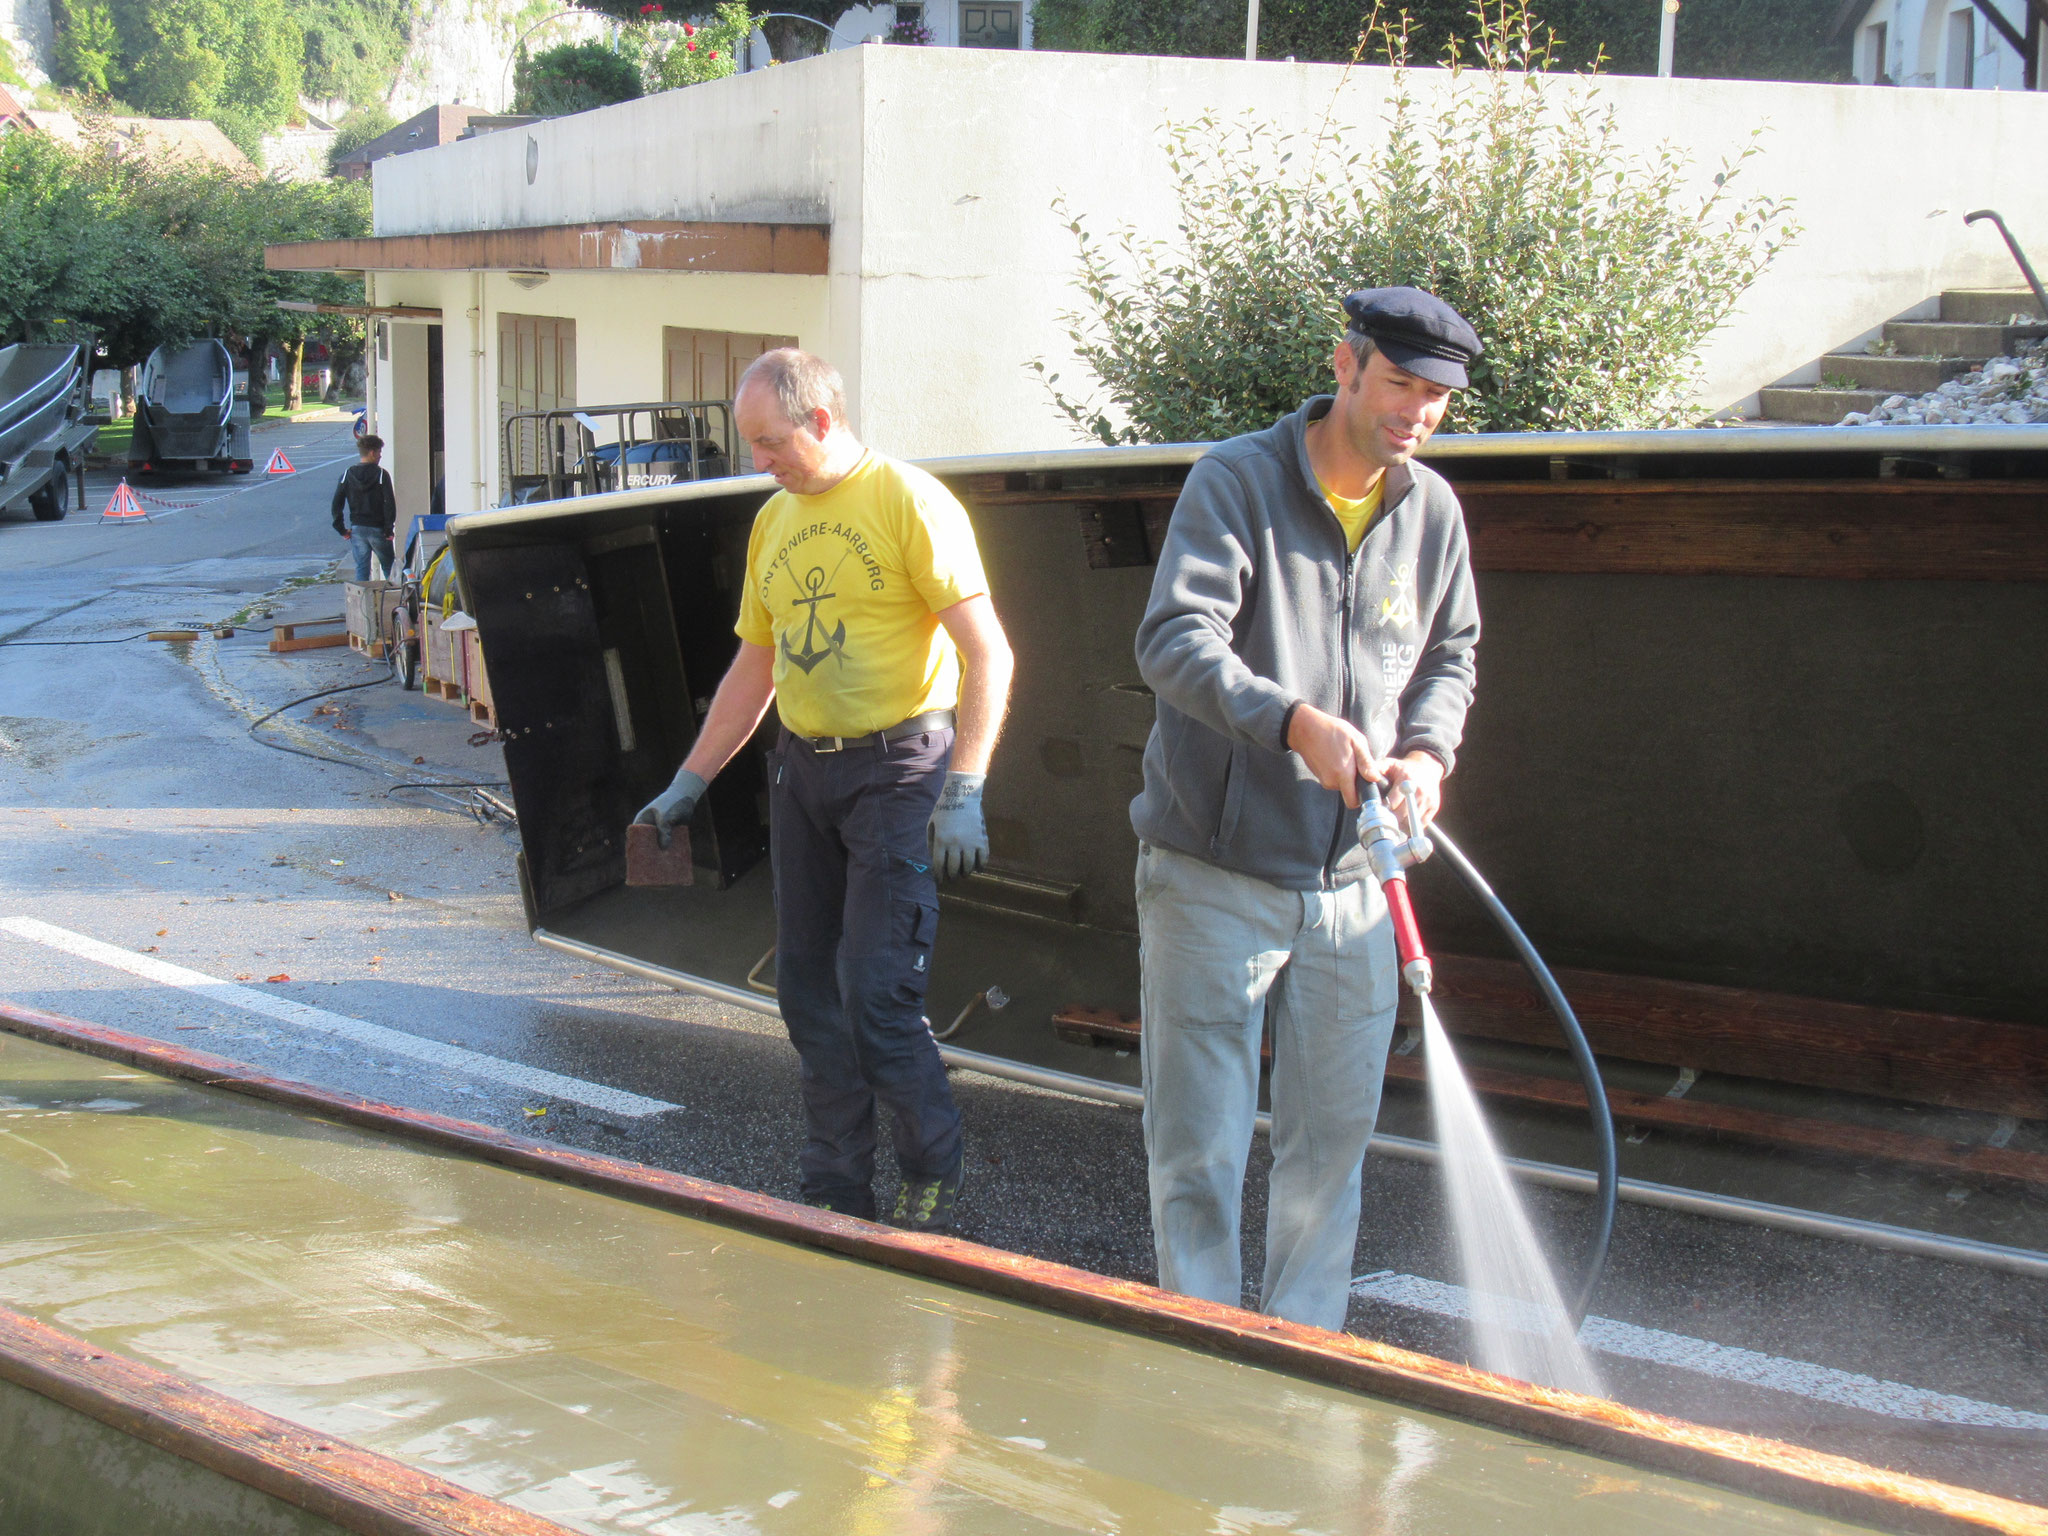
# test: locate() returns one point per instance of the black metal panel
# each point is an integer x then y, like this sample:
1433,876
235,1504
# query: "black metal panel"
538,626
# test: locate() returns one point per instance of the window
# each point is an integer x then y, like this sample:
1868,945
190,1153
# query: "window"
536,372
990,25
1878,71
706,365
1961,71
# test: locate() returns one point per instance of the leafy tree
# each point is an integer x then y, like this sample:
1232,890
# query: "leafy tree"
149,251
238,62
10,72
1721,39
693,52
574,77
355,130
1591,274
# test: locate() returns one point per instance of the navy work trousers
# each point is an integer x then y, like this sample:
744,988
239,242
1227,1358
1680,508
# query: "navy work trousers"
856,911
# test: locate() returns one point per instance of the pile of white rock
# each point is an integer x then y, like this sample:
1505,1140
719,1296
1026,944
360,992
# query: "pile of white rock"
2009,390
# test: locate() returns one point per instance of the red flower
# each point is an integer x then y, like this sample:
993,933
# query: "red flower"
714,53
688,30
692,47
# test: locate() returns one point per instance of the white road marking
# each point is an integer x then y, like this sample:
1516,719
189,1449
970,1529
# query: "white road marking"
277,1006
1869,1394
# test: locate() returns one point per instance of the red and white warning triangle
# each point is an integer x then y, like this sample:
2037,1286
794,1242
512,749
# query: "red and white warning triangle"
124,505
279,464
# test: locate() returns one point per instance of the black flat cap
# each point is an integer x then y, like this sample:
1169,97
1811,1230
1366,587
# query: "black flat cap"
1418,331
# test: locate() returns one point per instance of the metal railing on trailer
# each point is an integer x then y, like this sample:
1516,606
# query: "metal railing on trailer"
584,450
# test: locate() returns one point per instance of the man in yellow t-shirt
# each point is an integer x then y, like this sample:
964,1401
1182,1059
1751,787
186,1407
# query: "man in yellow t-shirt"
866,620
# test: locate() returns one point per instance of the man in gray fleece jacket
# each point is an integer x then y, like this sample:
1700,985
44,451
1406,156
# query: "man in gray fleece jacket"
1311,625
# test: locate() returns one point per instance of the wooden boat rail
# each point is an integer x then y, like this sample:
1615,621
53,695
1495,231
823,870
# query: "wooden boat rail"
356,1489
1819,1482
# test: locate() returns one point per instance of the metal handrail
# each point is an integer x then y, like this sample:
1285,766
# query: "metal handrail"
566,442
2026,267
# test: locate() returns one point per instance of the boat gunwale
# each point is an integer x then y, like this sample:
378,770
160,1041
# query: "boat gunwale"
336,1480
1818,1482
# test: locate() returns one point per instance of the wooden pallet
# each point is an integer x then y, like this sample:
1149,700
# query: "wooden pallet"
480,710
286,637
441,688
1106,1026
374,649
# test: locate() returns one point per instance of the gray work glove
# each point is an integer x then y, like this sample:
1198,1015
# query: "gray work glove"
959,837
674,806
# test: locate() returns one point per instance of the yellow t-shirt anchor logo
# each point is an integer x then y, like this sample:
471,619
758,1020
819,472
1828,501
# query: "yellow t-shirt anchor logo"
835,643
846,588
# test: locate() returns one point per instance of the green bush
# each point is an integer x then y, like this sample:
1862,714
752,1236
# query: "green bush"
691,52
574,77
1591,274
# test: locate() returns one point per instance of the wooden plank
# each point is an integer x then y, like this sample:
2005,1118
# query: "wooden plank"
286,637
1910,530
345,1484
1767,1127
1921,1058
1794,1475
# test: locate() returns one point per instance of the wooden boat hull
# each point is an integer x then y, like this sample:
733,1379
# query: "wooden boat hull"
1706,766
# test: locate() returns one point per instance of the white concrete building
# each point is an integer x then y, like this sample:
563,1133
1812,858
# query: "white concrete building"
891,208
1981,45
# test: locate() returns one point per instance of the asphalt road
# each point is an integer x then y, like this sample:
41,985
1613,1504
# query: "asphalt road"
137,812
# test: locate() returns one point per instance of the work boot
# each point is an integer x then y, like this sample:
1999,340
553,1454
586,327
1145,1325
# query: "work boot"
926,1205
845,1202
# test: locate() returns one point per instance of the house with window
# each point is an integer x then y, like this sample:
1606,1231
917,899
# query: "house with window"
1966,45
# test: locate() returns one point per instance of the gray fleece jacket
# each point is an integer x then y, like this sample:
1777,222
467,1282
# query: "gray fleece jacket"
1256,605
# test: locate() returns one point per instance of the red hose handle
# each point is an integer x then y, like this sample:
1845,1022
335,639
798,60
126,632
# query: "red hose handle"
1407,935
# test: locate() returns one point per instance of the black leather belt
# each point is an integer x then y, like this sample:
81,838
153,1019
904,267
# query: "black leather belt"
916,725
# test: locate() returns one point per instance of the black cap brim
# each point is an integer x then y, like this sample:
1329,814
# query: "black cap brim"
1446,371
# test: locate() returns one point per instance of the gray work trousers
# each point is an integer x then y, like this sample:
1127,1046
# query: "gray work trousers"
1220,951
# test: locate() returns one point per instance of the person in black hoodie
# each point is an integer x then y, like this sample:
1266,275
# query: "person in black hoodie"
366,494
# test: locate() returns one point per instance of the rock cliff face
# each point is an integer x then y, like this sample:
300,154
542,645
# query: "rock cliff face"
30,37
461,51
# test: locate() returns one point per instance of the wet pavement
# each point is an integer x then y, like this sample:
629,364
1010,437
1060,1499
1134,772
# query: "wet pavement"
137,810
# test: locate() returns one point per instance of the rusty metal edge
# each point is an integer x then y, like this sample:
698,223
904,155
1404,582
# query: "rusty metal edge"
336,1480
1820,1482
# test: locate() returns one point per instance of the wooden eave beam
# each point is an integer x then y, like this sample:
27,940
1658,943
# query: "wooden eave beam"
641,246
2003,27
363,311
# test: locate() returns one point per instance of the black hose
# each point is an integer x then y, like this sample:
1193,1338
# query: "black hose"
1607,1170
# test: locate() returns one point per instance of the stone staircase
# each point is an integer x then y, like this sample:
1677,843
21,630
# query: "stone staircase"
1920,355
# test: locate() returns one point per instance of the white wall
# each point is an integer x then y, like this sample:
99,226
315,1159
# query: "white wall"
937,170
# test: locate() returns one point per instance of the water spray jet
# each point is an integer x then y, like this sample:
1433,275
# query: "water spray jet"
1391,850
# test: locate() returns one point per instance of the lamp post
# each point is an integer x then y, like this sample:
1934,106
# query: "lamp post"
1251,30
1667,30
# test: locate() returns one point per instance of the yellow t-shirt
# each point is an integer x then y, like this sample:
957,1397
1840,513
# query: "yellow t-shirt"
846,585
1356,516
